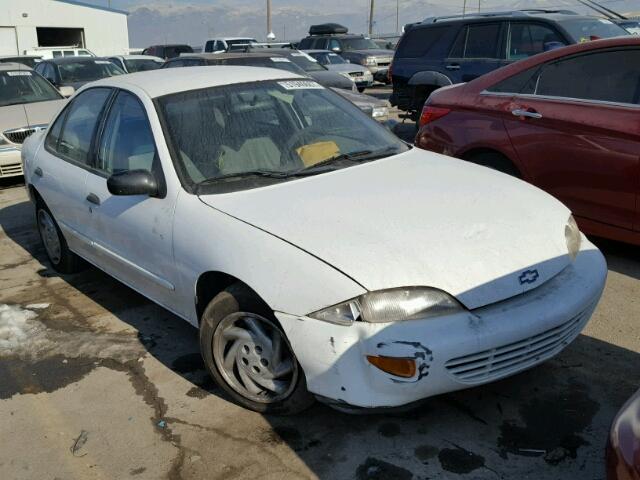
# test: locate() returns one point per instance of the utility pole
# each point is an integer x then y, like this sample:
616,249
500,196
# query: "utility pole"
270,34
397,16
371,6
464,8
478,6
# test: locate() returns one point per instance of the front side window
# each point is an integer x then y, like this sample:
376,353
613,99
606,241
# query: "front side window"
24,86
527,39
81,118
611,76
248,135
127,142
583,30
87,70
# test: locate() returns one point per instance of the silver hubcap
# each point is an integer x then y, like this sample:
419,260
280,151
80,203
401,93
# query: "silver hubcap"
49,235
254,357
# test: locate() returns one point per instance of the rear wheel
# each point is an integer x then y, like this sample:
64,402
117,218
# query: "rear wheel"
248,355
495,161
62,259
361,89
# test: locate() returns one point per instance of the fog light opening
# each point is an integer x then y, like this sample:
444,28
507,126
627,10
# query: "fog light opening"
398,366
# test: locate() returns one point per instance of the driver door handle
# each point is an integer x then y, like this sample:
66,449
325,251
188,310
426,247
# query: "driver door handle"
93,198
453,66
519,112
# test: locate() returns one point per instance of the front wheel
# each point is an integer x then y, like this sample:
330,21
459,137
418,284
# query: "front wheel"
249,356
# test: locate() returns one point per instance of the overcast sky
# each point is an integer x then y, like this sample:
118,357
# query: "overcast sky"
192,21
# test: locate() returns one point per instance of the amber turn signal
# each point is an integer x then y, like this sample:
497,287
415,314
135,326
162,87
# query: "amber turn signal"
398,366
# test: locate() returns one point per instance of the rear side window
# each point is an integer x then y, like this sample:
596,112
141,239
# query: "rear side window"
523,82
208,47
418,42
74,139
477,41
610,76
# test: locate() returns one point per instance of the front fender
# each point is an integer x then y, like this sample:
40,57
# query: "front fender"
286,277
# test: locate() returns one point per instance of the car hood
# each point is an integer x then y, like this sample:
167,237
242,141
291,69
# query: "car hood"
28,114
417,219
331,79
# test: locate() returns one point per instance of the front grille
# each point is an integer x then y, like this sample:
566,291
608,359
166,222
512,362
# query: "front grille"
356,74
18,135
384,64
10,169
499,362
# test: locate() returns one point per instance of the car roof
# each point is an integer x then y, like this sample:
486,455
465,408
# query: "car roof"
505,72
10,66
19,56
557,16
137,57
319,51
73,59
156,83
338,35
216,56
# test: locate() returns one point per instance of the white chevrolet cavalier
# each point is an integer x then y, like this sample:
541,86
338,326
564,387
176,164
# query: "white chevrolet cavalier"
318,254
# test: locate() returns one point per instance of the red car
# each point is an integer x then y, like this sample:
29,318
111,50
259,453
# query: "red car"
567,121
623,448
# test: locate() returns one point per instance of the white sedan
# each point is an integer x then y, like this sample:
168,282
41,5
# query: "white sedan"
318,255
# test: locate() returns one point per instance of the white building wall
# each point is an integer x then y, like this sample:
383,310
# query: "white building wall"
105,32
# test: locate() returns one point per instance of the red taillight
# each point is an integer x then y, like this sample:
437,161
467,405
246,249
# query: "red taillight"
429,114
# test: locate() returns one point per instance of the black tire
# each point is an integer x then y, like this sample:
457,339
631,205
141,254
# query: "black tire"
495,161
361,89
234,300
66,261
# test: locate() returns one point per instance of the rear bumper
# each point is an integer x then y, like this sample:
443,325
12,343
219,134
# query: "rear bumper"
453,352
10,162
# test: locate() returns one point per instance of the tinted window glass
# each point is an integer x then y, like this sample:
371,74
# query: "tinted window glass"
305,43
612,76
358,44
527,39
139,65
127,142
208,47
53,135
80,124
482,41
87,70
523,82
419,41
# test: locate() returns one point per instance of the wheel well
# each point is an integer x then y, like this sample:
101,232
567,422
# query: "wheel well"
489,152
211,284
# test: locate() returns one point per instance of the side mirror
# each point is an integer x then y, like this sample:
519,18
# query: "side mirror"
133,182
67,91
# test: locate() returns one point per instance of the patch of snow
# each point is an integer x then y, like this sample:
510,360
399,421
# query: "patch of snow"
38,306
16,326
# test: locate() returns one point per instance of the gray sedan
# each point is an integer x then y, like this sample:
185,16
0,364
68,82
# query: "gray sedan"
361,76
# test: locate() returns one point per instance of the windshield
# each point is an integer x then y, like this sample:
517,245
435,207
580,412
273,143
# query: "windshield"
306,62
28,61
335,59
249,135
358,44
141,65
631,26
87,70
583,30
281,63
25,87
240,44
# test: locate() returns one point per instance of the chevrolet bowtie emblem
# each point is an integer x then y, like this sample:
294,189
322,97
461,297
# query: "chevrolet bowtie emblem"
528,276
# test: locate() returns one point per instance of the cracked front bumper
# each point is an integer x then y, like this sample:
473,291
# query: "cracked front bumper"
453,352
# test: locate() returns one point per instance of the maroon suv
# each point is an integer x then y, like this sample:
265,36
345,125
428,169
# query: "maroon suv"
567,121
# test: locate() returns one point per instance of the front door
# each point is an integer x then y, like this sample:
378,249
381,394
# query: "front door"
578,136
132,235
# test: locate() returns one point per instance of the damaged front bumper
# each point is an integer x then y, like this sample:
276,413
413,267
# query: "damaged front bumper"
453,352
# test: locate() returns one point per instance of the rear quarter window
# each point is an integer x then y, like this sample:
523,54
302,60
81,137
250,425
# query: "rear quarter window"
419,42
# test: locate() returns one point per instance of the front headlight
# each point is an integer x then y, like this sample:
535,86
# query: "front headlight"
369,61
380,113
393,305
573,237
346,75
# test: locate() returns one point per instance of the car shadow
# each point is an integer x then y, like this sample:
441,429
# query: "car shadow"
621,257
552,420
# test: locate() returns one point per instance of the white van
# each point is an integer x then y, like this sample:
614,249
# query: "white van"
54,52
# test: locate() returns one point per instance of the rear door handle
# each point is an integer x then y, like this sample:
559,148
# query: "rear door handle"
38,172
93,198
453,66
519,112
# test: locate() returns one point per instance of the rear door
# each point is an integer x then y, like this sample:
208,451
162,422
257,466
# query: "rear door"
575,128
478,49
60,169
